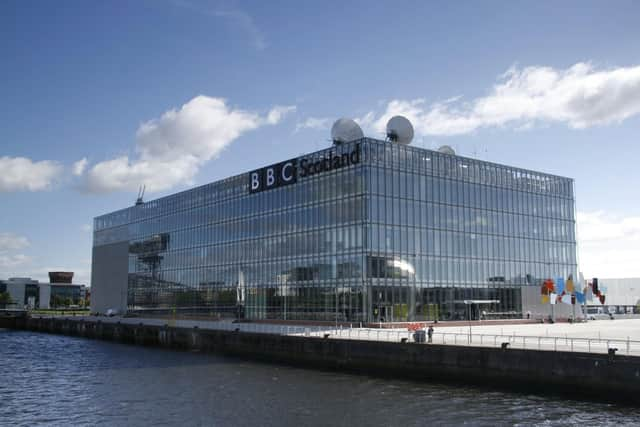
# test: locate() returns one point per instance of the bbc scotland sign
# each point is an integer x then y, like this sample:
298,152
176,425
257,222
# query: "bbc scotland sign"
288,172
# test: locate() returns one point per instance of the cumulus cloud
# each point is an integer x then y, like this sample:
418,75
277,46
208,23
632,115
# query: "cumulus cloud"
12,242
609,245
171,148
316,123
9,243
278,112
580,96
20,173
79,166
8,262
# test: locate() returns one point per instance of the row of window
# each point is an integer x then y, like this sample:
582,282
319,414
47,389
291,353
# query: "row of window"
405,185
478,186
431,215
380,210
425,271
376,239
434,163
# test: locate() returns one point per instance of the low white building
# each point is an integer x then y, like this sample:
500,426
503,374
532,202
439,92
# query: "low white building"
24,291
621,292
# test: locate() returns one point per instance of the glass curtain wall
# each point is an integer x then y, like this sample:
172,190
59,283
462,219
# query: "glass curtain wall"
405,234
443,229
293,252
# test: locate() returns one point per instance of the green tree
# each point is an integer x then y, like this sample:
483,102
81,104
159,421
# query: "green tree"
56,301
5,298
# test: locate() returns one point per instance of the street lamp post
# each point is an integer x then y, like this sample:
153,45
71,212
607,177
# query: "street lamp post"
468,304
285,290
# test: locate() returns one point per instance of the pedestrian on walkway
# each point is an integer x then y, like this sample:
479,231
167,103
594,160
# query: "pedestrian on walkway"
430,334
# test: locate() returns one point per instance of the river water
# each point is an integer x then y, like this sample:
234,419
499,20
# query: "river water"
57,380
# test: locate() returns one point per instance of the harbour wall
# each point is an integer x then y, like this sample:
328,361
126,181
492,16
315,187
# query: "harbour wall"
613,378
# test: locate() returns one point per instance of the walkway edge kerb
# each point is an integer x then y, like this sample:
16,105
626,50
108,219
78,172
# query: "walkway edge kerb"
599,376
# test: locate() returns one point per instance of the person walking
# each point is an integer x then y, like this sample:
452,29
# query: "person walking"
430,334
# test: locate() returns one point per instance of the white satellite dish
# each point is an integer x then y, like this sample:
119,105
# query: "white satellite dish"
345,130
400,130
445,149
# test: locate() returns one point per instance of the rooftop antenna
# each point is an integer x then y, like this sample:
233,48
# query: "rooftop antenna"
399,130
345,130
446,149
139,200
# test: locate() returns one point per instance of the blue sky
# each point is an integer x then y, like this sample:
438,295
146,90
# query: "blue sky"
100,97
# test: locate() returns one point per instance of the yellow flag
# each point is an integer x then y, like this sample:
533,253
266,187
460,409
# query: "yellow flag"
545,299
568,285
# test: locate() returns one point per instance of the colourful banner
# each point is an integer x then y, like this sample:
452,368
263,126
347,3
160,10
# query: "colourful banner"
569,286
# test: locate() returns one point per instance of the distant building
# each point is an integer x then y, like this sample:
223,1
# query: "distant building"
24,291
30,293
621,294
63,291
61,277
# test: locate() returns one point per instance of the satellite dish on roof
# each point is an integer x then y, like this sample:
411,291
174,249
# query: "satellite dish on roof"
445,149
400,130
345,130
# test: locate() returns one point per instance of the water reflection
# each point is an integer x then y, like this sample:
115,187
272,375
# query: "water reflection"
57,380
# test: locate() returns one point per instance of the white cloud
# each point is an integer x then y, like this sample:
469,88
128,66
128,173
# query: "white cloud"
12,261
238,19
316,123
79,167
171,149
579,96
609,246
20,173
277,113
12,242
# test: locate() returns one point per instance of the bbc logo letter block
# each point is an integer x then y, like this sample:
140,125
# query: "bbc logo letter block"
274,176
286,173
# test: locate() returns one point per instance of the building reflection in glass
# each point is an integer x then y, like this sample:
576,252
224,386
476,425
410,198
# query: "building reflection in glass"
405,234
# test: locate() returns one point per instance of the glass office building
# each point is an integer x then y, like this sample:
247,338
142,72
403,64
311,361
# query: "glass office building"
364,231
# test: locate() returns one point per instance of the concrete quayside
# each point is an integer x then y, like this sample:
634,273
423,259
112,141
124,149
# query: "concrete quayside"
605,375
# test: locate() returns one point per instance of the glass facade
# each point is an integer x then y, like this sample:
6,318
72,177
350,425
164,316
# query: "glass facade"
401,234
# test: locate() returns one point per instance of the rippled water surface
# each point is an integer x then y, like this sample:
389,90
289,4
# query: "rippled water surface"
57,380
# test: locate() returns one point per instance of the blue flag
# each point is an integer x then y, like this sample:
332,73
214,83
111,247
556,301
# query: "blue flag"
579,297
559,285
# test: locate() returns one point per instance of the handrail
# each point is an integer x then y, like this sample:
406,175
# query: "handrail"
537,342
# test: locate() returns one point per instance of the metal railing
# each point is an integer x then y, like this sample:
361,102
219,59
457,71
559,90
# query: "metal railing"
526,342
